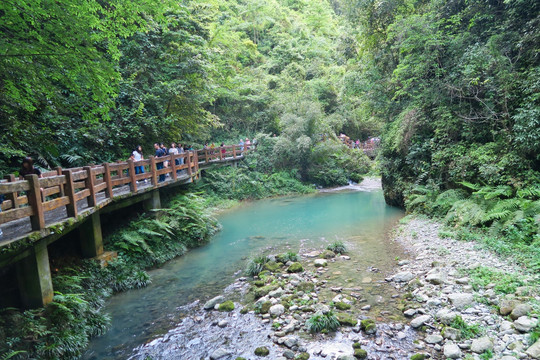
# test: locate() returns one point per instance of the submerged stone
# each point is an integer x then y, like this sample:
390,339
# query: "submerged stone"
328,254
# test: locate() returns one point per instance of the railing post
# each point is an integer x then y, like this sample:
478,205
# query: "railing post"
173,167
189,163
206,155
153,170
34,200
61,186
221,152
89,184
12,196
108,181
234,151
132,177
196,160
71,208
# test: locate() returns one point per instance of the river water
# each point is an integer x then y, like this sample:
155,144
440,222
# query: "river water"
357,216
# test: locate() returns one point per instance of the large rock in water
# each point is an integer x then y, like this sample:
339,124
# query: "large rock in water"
210,304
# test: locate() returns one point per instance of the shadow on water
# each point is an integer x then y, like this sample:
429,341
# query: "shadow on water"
360,219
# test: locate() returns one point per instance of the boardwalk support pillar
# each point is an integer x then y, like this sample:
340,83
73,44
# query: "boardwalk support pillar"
154,202
34,277
91,237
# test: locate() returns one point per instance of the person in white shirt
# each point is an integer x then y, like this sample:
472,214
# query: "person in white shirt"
137,155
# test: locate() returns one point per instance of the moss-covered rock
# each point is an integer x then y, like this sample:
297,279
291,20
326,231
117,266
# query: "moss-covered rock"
340,305
262,351
244,310
327,254
295,268
356,345
305,286
360,353
368,325
226,306
265,306
272,266
240,358
258,283
302,356
263,291
418,357
346,319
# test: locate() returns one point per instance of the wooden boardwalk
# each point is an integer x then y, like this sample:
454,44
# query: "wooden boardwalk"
35,205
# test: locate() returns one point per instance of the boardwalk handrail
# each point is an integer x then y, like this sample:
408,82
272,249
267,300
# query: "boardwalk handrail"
65,187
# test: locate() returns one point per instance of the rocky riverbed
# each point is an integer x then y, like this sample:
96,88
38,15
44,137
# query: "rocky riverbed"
457,301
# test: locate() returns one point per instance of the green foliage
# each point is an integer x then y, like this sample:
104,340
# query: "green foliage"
256,265
338,247
240,183
467,331
322,323
288,256
505,283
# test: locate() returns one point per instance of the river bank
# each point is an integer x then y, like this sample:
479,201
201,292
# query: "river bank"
458,301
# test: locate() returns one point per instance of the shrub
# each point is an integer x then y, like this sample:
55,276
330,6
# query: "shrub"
338,247
256,265
467,331
322,323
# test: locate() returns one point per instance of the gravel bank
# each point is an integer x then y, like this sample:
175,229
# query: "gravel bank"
445,279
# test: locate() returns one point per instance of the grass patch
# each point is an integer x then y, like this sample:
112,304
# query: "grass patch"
322,323
467,331
505,283
256,265
337,246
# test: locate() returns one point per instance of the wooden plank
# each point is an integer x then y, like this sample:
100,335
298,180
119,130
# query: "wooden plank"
100,187
23,200
79,185
50,191
11,187
56,203
71,206
234,151
189,163
52,181
6,205
121,181
107,180
132,178
98,170
89,184
15,214
37,219
79,175
82,194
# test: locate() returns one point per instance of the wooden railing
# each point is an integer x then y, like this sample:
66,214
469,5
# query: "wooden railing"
34,196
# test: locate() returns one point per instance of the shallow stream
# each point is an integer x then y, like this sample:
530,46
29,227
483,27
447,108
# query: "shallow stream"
357,216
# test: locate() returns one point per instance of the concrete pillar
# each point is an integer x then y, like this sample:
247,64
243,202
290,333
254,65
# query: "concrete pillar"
154,202
91,237
34,277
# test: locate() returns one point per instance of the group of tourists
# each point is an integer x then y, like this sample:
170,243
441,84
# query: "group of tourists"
160,151
370,143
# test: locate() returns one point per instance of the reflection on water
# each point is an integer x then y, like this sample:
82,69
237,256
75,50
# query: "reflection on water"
360,219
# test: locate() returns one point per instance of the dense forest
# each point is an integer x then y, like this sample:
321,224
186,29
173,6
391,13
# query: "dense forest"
451,87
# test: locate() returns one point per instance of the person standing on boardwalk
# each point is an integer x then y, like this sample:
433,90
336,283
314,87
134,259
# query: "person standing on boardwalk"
137,155
223,150
241,143
28,168
159,164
